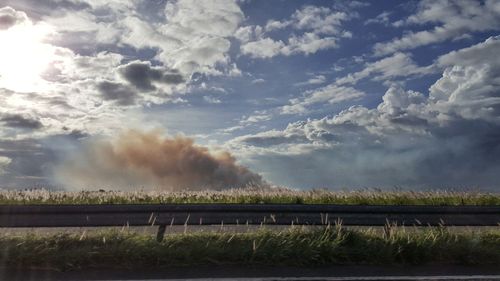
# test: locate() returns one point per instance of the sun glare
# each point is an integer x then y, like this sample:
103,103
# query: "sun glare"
24,57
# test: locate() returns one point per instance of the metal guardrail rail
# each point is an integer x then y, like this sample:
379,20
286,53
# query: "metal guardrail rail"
252,214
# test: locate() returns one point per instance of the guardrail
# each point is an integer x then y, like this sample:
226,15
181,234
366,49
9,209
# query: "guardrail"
233,214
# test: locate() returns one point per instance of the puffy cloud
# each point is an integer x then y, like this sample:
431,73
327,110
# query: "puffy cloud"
397,101
258,116
318,79
320,20
10,17
470,83
395,66
276,24
193,37
308,43
484,53
332,94
264,48
217,17
187,35
212,100
141,34
453,19
320,28
446,139
382,18
248,33
204,55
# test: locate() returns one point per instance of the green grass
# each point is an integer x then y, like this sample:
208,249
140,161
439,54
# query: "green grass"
294,247
251,195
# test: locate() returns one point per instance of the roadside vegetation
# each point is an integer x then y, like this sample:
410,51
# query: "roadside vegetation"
251,196
294,246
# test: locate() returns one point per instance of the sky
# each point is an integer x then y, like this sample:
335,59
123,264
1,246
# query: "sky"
303,94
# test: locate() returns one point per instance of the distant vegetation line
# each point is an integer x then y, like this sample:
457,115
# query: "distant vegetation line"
252,196
295,246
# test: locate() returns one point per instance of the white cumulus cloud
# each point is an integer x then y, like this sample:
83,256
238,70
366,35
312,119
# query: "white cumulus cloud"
450,20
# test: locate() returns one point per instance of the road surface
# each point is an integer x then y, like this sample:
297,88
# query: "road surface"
254,273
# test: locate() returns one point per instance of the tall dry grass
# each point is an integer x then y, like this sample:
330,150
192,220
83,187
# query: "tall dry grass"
251,195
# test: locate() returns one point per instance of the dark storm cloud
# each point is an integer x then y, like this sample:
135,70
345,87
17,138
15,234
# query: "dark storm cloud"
20,121
142,75
123,95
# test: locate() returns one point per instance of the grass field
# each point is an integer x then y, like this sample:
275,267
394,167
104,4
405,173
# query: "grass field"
251,195
294,246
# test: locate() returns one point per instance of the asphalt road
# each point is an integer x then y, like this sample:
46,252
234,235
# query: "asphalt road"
366,278
429,272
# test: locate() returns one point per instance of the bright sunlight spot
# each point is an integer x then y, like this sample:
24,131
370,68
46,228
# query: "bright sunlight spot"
24,57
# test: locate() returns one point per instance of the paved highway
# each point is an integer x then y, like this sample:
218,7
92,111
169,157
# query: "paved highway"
254,273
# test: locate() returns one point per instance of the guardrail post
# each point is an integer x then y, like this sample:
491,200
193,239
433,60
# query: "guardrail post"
161,232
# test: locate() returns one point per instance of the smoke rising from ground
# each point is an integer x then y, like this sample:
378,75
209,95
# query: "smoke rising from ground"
137,159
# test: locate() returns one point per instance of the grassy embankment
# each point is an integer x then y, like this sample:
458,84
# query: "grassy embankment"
252,196
295,246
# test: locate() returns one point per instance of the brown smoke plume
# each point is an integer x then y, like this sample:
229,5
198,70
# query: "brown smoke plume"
137,159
